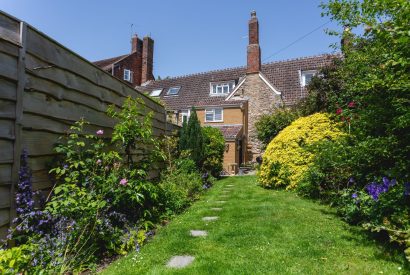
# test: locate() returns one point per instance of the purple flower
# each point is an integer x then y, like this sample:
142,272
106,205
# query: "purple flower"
124,182
354,195
351,180
374,189
100,132
407,189
99,161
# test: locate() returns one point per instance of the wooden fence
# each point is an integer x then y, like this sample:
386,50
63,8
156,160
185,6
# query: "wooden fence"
44,88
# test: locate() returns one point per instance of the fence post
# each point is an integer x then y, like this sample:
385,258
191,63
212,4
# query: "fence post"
21,82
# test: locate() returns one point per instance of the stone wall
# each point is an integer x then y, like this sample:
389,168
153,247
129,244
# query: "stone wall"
261,100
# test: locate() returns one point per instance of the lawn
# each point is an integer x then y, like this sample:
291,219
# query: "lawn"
260,231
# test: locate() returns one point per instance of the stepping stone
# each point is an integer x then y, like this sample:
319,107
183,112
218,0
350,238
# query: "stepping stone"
220,201
207,219
198,233
226,191
216,209
230,185
180,261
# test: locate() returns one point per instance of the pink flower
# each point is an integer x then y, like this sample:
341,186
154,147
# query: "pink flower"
339,111
100,132
98,161
351,104
124,182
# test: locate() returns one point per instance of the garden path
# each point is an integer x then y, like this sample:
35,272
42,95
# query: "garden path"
259,231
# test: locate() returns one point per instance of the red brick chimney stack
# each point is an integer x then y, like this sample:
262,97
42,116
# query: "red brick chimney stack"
147,59
254,51
135,44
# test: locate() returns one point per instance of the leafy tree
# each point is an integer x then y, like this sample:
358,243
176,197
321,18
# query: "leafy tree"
374,96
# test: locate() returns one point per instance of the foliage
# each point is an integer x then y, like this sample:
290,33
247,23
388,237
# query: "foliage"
180,187
287,159
101,197
269,125
192,140
133,131
368,92
214,144
15,260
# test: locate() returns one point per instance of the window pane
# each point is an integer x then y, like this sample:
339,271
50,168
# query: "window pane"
209,117
219,89
218,114
226,89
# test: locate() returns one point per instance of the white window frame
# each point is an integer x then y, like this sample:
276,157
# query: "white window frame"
185,113
303,76
211,111
156,92
230,85
172,88
127,75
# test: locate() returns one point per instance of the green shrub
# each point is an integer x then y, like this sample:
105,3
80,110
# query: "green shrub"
180,187
287,157
269,126
15,260
214,143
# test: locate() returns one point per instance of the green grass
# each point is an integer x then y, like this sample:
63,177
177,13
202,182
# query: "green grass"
261,232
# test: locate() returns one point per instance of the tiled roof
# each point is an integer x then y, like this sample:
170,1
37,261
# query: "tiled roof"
229,131
218,101
106,64
283,75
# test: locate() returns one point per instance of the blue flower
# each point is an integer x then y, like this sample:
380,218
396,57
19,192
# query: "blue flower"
354,195
407,189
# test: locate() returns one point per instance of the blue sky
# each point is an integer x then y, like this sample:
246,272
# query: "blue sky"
190,35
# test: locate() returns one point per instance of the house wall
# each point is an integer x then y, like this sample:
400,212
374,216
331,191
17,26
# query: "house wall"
44,89
230,116
261,100
134,63
231,157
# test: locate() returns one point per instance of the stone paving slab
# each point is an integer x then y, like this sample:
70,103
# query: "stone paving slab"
220,201
198,233
216,209
207,219
180,261
230,185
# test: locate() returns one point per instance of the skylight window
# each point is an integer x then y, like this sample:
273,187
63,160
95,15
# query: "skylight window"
222,88
173,91
156,92
306,77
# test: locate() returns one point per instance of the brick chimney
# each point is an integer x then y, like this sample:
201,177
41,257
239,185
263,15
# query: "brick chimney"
254,51
136,44
147,59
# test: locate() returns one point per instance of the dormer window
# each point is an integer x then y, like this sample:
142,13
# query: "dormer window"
127,75
173,91
306,77
156,92
221,88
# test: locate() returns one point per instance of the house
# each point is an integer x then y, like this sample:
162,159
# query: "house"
233,99
135,67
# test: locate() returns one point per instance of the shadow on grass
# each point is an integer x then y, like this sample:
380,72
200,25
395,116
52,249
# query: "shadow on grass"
386,250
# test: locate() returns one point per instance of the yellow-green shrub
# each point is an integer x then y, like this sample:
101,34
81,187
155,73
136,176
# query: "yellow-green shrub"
286,158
